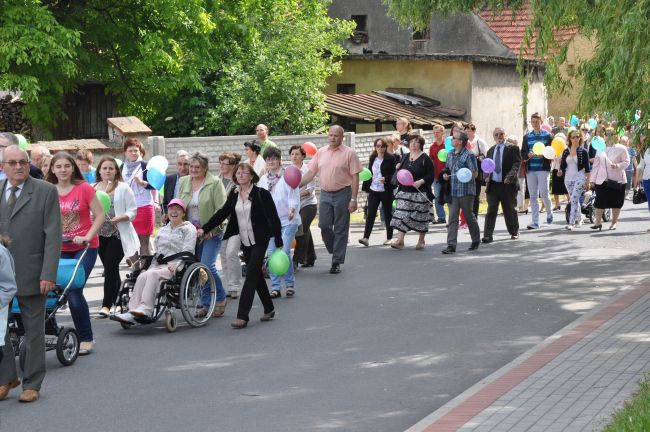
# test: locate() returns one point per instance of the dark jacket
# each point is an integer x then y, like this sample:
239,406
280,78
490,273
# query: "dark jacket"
35,172
583,159
510,165
387,169
168,191
264,217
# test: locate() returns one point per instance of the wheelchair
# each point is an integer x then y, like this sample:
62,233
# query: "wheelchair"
185,290
587,208
63,340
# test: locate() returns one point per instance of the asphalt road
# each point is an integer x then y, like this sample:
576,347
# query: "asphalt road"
376,348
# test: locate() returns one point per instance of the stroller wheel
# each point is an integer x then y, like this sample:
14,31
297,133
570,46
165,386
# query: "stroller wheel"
22,353
67,346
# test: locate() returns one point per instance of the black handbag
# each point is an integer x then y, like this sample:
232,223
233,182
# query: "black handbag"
639,196
613,185
393,180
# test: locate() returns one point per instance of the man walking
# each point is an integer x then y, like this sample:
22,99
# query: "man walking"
462,194
262,132
502,186
29,211
171,181
537,170
338,167
437,145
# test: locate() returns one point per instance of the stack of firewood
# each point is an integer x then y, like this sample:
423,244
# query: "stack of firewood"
11,117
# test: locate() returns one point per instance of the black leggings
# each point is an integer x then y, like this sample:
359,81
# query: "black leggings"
111,254
386,200
254,258
304,252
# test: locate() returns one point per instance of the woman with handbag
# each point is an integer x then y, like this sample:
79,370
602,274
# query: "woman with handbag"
382,165
643,175
413,203
608,179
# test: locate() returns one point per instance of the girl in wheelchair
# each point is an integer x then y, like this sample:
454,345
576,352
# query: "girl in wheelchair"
177,236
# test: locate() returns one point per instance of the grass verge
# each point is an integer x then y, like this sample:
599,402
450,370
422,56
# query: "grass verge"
635,414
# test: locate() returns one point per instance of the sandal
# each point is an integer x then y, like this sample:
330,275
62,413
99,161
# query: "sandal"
238,324
290,292
275,294
219,308
104,312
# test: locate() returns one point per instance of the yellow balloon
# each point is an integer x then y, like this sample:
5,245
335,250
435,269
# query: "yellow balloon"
558,145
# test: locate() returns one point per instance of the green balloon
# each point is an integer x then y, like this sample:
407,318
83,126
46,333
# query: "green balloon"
22,141
104,199
442,155
394,204
365,175
279,262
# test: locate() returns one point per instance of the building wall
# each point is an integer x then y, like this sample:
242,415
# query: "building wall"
497,99
564,104
446,81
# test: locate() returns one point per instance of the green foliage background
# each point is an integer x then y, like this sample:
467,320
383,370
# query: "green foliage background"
214,66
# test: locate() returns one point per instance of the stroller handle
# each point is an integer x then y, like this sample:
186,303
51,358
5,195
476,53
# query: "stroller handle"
69,240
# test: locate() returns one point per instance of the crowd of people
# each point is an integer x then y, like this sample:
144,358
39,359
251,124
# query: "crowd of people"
250,208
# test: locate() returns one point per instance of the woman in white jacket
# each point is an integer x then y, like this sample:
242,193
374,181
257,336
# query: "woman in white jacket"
287,203
117,237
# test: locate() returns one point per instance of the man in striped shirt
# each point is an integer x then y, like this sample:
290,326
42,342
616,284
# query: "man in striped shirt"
537,170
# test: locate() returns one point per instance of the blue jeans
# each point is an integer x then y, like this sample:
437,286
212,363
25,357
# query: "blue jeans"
207,252
288,234
646,188
76,300
440,209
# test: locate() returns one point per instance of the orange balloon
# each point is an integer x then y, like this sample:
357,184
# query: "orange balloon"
310,148
293,244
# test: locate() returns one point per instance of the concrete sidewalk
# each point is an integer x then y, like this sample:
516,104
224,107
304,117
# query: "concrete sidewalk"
573,381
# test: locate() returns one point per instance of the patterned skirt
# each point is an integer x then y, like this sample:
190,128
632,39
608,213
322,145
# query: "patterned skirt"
412,212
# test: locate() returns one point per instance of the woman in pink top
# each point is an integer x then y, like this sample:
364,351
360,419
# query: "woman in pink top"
609,180
77,200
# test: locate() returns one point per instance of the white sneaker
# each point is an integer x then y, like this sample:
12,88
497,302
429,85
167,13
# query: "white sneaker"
125,318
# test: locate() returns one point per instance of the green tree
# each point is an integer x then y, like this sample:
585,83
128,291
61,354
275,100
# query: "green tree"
615,79
190,53
274,73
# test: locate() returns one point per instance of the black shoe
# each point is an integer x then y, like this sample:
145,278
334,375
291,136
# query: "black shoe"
474,246
486,240
449,250
307,265
336,268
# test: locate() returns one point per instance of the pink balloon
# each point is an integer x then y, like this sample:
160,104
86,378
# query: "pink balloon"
404,177
547,127
292,176
310,148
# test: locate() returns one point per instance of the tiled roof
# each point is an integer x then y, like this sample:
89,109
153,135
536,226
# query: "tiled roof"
511,29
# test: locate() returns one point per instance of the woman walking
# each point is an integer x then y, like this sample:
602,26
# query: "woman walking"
382,165
643,171
230,263
134,171
117,237
251,214
575,169
608,178
287,205
77,200
304,253
252,150
203,194
412,212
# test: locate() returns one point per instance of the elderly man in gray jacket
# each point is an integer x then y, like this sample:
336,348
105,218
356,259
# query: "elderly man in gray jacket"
30,216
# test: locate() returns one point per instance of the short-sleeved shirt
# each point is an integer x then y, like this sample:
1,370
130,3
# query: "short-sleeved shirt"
265,145
75,215
336,167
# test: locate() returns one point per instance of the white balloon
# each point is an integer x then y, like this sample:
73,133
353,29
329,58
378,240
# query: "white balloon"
549,153
464,175
158,162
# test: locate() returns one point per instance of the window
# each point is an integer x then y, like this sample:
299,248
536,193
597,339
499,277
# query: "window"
421,35
346,88
362,21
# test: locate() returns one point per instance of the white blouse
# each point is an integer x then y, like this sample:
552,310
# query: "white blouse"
243,211
645,162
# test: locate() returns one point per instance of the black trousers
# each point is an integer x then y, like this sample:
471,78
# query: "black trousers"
386,200
111,254
304,252
506,196
254,258
477,199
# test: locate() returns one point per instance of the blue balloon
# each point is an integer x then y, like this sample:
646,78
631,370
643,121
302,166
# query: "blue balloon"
464,175
155,178
91,177
592,123
448,145
574,120
598,143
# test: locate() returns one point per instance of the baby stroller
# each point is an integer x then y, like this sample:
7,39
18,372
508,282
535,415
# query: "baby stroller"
185,290
587,201
65,340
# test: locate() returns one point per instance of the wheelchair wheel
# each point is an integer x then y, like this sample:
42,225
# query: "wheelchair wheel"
567,212
607,215
67,346
22,353
171,323
197,282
